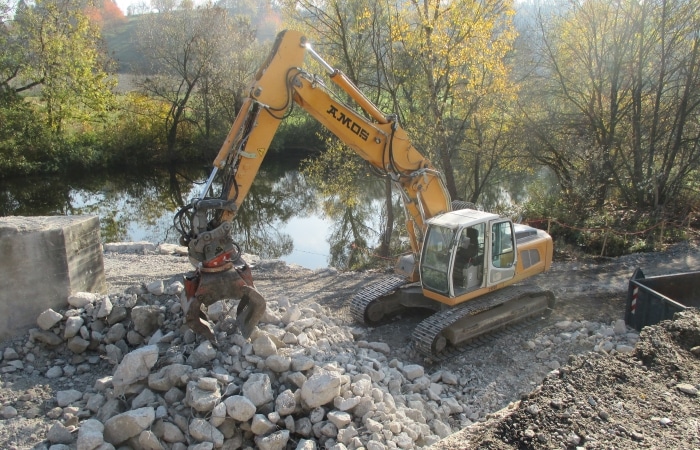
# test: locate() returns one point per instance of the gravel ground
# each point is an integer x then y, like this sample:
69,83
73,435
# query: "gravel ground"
571,379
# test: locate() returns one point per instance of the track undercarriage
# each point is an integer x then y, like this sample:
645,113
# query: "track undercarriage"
449,327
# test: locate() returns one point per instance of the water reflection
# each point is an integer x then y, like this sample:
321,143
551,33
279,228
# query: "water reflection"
282,217
141,207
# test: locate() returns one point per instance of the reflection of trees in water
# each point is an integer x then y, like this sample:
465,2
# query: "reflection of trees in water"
148,202
274,199
356,227
120,201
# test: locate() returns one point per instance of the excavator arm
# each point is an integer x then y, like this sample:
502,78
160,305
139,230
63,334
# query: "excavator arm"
379,139
221,273
205,224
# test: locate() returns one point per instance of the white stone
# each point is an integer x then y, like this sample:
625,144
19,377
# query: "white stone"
320,388
168,377
380,347
620,327
144,398
202,430
413,371
48,319
285,403
175,288
687,388
66,398
171,433
339,418
135,366
274,441
623,348
81,299
105,308
258,389
156,287
240,408
216,310
292,315
128,424
200,399
441,428
8,412
149,441
278,363
306,444
73,325
218,414
201,355
264,346
302,363
346,404
54,372
261,425
90,435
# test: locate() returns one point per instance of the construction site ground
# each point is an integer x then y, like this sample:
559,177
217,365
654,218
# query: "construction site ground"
532,385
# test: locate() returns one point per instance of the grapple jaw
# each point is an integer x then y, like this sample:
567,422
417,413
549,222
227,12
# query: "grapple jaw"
230,280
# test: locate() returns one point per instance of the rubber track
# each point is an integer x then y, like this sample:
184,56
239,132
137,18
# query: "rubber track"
368,294
430,328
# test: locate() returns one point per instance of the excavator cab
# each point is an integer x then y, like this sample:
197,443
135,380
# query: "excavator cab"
465,251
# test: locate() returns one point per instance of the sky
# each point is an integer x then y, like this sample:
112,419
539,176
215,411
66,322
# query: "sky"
124,4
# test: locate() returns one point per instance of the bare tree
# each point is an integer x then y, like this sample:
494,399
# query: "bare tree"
188,47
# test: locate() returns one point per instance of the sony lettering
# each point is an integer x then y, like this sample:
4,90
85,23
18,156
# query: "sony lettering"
348,122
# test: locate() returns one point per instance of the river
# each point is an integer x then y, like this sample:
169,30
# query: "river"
283,216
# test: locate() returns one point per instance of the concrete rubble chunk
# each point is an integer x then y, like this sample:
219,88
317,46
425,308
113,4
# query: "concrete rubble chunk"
47,337
156,287
68,397
146,319
264,346
320,388
201,355
90,435
48,319
200,399
202,430
258,389
413,371
274,441
73,325
240,408
82,299
135,366
121,427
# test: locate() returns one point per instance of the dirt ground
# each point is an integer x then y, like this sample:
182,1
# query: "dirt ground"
524,387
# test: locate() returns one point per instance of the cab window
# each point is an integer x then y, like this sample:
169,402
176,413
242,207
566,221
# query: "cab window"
502,246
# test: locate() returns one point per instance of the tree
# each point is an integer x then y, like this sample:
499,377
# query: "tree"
613,105
456,82
187,47
60,52
353,36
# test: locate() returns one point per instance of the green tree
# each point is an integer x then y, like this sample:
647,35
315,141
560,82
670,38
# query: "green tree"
61,53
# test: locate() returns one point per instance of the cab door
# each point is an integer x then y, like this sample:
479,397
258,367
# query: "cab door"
502,255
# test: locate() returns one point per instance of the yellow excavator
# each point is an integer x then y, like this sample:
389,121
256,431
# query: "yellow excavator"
463,265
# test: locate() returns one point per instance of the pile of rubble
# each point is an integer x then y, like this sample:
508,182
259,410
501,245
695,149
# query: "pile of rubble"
301,381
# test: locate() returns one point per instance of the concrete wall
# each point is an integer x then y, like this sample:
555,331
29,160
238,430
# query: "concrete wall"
43,260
